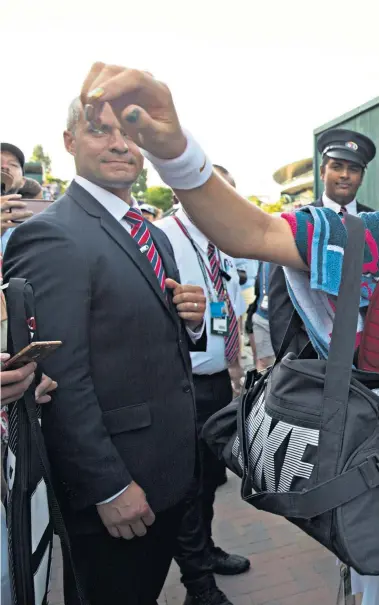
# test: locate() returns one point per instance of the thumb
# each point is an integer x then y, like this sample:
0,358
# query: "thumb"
139,125
171,283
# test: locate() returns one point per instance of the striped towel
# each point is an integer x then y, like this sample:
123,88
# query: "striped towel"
321,239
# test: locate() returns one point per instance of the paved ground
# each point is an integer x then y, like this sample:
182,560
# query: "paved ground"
288,567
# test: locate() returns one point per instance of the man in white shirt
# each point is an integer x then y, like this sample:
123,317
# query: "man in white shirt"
200,262
342,176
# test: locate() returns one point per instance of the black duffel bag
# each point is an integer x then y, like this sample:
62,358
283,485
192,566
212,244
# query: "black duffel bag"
304,437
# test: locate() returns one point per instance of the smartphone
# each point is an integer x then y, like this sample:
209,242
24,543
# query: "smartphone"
33,205
36,351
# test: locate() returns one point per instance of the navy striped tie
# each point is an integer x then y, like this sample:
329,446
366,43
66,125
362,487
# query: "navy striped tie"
141,234
232,343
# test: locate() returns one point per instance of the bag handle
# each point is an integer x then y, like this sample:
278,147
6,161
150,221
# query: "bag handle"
341,352
293,328
321,498
19,292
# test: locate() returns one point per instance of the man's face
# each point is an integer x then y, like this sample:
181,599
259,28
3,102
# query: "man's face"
342,180
11,165
104,155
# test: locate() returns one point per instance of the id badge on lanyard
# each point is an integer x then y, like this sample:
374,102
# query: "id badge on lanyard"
219,319
218,309
264,303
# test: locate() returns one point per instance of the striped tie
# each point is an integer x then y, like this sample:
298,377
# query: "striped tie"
232,339
141,234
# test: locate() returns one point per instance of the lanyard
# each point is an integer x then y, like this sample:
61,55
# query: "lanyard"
264,269
204,269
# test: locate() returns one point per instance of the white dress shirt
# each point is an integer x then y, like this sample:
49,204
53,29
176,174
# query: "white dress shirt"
115,205
118,208
328,203
213,360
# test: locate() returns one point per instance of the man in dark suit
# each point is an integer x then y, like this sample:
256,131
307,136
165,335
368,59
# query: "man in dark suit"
121,431
345,155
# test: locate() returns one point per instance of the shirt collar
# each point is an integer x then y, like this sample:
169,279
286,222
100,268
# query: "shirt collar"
328,203
197,236
115,206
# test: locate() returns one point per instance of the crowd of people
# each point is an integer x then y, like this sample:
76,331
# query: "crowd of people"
126,289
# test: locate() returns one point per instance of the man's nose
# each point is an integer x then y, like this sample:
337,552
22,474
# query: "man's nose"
345,172
118,143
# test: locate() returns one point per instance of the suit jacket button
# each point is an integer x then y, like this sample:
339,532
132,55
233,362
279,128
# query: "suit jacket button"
186,388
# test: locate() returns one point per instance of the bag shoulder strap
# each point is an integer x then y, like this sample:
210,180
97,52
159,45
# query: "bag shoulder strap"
342,345
19,298
341,353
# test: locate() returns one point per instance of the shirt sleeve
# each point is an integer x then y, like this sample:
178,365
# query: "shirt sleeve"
234,289
195,335
113,497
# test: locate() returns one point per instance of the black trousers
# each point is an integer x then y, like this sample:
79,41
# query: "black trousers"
213,393
125,572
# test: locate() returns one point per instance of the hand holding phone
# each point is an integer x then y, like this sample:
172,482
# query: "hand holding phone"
13,210
14,383
35,352
32,207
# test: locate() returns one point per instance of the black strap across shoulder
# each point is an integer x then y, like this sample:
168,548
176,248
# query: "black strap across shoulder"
19,297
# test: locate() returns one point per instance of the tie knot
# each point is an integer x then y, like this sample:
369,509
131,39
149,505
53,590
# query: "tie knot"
343,210
211,248
134,216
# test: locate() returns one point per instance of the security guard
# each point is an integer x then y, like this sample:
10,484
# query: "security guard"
345,156
199,260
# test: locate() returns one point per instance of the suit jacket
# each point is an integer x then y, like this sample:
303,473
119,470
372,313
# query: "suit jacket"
124,409
280,305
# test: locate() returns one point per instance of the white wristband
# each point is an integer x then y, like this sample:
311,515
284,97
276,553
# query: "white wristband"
188,171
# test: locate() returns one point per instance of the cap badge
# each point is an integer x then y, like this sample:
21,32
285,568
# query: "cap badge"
352,145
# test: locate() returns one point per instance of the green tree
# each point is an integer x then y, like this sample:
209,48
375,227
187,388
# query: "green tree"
140,186
40,156
53,179
161,197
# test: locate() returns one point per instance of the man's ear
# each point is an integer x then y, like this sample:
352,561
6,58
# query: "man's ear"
322,172
69,142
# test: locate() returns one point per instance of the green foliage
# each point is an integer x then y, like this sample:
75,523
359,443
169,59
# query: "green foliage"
40,156
273,208
161,197
50,179
140,186
255,200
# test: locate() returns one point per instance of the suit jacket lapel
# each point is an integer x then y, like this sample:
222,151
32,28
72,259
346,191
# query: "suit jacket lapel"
167,258
169,264
120,236
127,243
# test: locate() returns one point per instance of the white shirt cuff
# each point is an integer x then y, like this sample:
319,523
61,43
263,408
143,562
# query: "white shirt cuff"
195,335
113,497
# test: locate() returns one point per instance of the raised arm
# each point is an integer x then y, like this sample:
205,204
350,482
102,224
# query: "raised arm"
238,227
146,109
